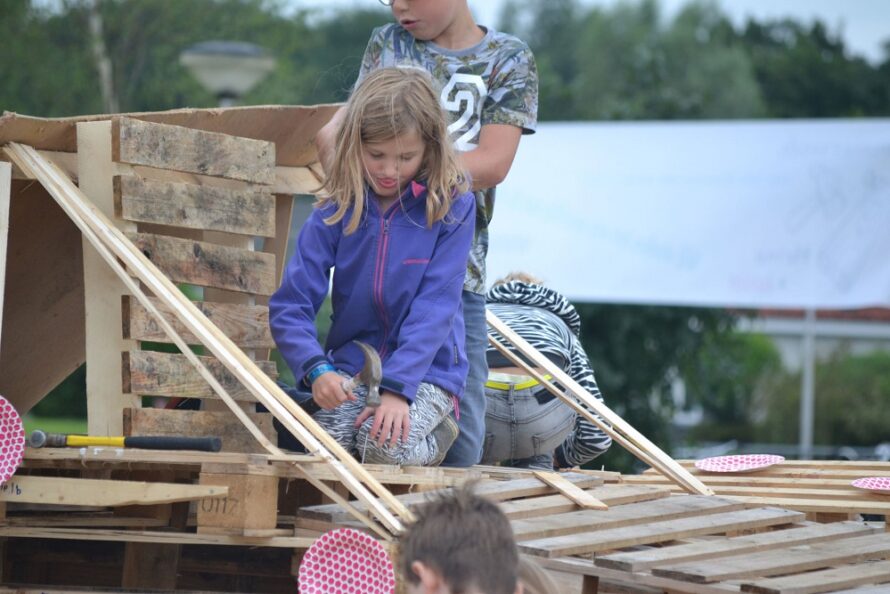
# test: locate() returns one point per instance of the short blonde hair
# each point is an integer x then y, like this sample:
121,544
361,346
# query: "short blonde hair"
387,103
518,275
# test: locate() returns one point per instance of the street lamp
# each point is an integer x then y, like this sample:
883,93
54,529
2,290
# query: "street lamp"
228,69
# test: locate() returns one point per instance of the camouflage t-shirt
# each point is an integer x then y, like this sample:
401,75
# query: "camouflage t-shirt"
492,82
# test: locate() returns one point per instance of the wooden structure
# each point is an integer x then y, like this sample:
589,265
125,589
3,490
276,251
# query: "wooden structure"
202,198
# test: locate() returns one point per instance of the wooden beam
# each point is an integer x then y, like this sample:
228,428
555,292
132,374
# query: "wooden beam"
5,202
574,391
94,225
150,373
288,542
95,492
246,325
826,580
208,264
166,146
571,491
244,211
102,291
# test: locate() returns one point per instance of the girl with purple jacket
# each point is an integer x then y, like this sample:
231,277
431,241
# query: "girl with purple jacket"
395,222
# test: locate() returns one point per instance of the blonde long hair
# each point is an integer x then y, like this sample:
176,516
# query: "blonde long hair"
387,103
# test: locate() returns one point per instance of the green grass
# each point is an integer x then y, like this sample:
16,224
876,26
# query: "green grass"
54,425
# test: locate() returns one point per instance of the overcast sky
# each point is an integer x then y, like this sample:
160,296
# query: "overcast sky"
865,24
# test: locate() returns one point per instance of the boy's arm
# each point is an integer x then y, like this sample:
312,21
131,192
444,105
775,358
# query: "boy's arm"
489,163
326,139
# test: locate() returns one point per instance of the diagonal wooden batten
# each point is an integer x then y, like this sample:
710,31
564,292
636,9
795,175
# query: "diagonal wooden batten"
316,440
571,402
665,463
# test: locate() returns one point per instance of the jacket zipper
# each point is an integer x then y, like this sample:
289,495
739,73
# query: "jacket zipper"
382,249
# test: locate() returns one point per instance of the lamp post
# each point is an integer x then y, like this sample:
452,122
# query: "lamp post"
228,69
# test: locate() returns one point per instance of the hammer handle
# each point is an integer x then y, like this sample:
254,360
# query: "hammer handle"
160,442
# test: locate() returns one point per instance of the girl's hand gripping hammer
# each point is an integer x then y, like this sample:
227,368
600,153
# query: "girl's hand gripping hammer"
369,376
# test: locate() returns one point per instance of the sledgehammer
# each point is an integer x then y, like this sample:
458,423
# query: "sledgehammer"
40,439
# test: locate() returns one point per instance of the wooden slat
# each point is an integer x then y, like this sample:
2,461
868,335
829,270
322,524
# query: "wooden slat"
796,560
806,534
150,373
533,507
572,492
102,291
828,580
818,469
5,203
866,504
207,264
246,212
290,542
199,423
194,151
494,490
246,325
604,540
632,514
94,492
753,481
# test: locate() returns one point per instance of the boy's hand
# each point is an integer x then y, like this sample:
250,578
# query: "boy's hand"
328,392
391,419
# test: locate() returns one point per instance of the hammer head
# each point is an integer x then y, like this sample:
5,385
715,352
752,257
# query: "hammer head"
371,373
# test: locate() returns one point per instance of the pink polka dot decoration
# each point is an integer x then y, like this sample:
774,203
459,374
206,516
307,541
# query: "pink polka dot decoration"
741,463
346,561
880,484
12,440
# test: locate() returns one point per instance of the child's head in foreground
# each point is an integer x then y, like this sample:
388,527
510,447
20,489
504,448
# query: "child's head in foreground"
461,543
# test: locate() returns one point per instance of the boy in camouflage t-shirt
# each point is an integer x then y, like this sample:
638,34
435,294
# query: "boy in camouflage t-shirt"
490,86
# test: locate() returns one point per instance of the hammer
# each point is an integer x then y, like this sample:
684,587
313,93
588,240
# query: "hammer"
40,439
370,375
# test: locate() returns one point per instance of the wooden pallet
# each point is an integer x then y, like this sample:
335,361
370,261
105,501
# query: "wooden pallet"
821,488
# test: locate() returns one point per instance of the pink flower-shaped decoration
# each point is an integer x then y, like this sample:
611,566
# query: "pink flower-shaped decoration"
12,440
740,463
346,561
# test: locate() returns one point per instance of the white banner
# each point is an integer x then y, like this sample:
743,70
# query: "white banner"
790,213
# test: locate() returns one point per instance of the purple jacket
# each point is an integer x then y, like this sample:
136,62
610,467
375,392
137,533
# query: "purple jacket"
397,286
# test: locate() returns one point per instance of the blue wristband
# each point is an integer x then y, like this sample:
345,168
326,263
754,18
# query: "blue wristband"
317,371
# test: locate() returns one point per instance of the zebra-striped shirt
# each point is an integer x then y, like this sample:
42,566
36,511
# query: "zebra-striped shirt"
551,324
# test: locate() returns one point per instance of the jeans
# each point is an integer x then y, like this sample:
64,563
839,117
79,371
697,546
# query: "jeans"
467,449
522,431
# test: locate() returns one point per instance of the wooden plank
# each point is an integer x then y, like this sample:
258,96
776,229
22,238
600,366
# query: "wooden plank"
199,423
246,212
5,205
207,264
533,507
749,480
629,582
632,514
250,504
604,540
95,492
246,325
695,551
828,580
102,291
571,491
167,146
290,542
494,490
866,504
88,457
150,373
795,560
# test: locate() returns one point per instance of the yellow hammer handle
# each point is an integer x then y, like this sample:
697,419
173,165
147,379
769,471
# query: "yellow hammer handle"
90,440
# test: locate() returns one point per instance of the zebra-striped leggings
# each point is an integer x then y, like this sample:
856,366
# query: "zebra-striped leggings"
430,407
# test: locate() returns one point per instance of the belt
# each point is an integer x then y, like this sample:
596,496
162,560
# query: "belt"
504,381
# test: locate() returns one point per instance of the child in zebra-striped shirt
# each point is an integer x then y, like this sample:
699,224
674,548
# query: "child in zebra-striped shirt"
526,426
